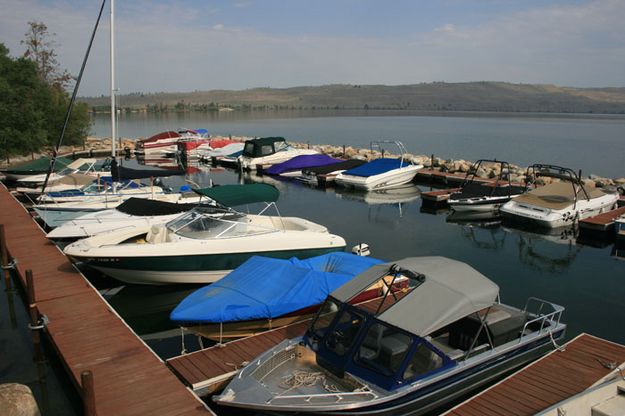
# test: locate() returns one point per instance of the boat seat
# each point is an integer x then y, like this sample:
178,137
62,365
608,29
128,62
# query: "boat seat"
156,235
372,344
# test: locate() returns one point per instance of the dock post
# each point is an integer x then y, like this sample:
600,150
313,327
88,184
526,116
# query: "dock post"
4,258
34,314
432,161
88,393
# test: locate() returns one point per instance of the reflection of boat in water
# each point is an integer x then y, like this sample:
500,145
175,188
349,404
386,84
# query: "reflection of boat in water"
401,194
478,218
445,335
488,238
550,252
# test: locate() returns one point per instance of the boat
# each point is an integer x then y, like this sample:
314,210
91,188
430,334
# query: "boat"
477,195
322,175
101,189
267,151
293,167
167,142
35,167
203,245
291,291
380,173
73,181
84,166
232,150
443,337
132,213
560,203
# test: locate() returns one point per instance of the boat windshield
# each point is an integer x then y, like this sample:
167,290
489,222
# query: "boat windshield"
344,332
203,224
324,318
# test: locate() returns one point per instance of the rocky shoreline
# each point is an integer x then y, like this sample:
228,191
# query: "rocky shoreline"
459,166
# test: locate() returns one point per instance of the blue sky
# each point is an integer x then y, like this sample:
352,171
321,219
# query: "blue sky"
187,45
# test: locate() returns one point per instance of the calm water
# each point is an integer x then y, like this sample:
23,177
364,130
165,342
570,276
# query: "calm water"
594,144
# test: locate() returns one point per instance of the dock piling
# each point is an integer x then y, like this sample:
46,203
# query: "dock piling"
4,258
34,315
88,393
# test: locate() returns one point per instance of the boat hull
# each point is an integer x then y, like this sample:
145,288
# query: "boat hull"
203,268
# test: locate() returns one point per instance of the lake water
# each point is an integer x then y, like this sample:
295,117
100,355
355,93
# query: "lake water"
596,145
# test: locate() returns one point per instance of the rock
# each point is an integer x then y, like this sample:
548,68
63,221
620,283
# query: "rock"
482,173
17,400
619,181
603,182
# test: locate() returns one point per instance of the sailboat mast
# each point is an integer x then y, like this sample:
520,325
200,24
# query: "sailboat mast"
113,105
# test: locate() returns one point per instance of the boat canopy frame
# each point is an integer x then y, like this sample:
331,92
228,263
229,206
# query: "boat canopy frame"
558,172
379,146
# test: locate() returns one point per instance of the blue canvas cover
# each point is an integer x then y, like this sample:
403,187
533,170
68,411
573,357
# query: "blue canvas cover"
263,288
301,162
375,167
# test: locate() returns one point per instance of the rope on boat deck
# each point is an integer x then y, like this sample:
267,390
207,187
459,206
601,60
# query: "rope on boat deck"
301,378
560,348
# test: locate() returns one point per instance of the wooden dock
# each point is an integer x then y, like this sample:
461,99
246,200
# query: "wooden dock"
547,381
602,222
439,196
88,335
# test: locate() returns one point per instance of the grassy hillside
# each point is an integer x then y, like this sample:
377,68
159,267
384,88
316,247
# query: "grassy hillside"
438,96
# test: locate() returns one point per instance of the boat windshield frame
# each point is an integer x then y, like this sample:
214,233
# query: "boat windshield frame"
558,172
217,222
379,146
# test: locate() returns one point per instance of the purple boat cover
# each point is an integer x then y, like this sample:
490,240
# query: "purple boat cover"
301,162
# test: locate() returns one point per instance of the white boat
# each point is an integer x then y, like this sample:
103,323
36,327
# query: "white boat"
323,175
167,142
101,189
221,152
73,181
439,339
203,245
85,166
476,195
380,173
132,213
560,203
267,151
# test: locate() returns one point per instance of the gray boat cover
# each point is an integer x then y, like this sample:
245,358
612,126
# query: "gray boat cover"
451,291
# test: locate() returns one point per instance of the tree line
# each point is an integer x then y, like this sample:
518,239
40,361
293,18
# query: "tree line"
34,99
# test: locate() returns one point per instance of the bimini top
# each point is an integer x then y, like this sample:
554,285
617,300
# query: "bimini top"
451,290
233,195
301,162
263,146
375,167
287,286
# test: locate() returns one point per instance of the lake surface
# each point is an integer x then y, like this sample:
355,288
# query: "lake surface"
596,145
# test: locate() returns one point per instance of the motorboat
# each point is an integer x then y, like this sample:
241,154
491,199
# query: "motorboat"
443,337
85,166
292,290
102,188
380,173
132,213
323,175
267,151
34,167
73,181
559,203
292,168
204,244
477,195
232,150
167,142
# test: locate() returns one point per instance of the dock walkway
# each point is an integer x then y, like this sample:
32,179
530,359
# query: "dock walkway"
547,381
86,333
602,222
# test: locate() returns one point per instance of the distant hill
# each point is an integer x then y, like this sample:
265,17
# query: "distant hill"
437,96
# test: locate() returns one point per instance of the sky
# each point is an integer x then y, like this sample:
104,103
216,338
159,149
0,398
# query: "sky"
187,45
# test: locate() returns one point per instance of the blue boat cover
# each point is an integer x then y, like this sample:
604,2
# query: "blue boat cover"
301,162
263,288
375,167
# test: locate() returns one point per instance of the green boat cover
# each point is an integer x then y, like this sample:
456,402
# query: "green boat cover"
41,165
233,195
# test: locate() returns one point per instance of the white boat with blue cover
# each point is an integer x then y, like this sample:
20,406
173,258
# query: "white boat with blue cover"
204,244
268,293
380,173
443,337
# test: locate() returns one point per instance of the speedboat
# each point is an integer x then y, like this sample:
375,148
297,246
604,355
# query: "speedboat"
132,213
380,173
441,338
559,203
477,195
267,151
35,167
204,244
292,290
167,142
232,150
293,167
101,188
73,181
85,166
322,175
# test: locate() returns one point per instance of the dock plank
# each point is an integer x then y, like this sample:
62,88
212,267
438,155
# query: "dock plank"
86,333
547,381
602,222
